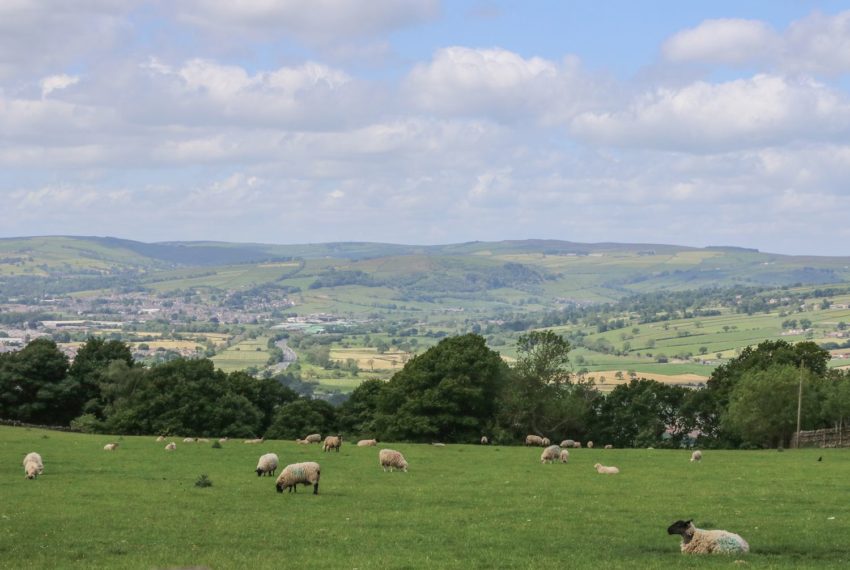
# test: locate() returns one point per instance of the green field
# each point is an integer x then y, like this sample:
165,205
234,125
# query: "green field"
458,507
242,355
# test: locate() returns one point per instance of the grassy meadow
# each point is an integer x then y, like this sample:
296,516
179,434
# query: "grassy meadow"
459,507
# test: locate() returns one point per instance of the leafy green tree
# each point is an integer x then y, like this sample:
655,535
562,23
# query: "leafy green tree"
82,387
30,383
357,414
302,417
837,398
449,393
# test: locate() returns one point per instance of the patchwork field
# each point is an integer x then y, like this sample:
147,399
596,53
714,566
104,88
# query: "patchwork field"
245,354
458,507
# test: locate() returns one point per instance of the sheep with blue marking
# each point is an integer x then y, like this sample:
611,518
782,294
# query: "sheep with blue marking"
700,541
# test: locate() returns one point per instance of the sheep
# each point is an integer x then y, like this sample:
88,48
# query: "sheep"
696,456
313,438
33,465
110,447
171,446
484,440
590,445
606,470
568,443
564,456
160,439
253,441
223,439
367,443
438,444
188,440
700,541
306,473
550,454
267,464
392,459
202,440
332,442
577,445
546,442
302,442
609,446
533,440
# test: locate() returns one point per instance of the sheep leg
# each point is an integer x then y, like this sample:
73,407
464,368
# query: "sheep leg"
316,488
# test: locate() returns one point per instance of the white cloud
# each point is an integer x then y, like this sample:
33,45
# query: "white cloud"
726,41
57,82
819,43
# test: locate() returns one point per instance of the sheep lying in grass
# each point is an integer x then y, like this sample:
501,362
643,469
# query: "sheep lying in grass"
609,446
700,541
564,456
33,465
696,456
313,438
160,439
533,440
367,443
171,446
392,459
188,440
550,454
202,440
606,470
302,442
267,464
332,442
484,440
254,441
223,439
110,447
306,473
568,443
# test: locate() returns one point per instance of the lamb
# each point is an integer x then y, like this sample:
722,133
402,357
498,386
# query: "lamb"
564,456
110,447
171,446
546,442
306,473
392,459
367,443
313,438
550,454
484,440
609,446
568,443
590,445
696,456
604,470
533,440
267,464
332,442
700,541
33,465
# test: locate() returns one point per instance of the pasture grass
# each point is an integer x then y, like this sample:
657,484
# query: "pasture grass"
460,506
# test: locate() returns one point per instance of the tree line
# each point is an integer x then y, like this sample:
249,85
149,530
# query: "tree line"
456,391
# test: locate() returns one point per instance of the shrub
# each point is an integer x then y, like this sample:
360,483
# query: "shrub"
203,481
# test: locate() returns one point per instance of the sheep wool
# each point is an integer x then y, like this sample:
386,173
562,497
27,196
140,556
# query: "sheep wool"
332,442
605,470
160,439
302,442
590,445
550,454
564,456
306,473
546,442
188,440
533,440
696,456
254,441
367,443
203,440
568,443
267,464
313,438
222,440
110,447
609,446
484,440
33,465
171,446
577,445
392,459
700,541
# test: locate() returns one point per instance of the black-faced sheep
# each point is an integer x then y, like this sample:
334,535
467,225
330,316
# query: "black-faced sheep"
484,440
267,464
699,541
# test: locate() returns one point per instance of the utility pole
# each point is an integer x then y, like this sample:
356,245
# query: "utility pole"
799,404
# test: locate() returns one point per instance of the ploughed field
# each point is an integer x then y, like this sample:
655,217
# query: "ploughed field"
459,506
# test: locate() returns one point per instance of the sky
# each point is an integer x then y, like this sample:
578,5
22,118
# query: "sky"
425,121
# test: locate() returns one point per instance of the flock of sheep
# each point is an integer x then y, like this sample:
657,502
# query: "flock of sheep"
694,540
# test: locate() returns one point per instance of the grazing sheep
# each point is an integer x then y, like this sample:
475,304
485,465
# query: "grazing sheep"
533,440
253,441
110,447
306,473
188,440
564,456
546,442
160,439
302,442
590,445
313,438
700,541
392,459
606,470
609,446
332,442
223,439
267,464
437,444
484,440
696,456
568,443
171,446
550,454
367,443
33,465
577,445
202,440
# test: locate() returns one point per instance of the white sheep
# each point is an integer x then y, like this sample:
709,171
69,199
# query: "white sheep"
202,440
577,445
33,465
533,440
171,446
564,456
606,470
160,439
306,473
392,459
609,446
484,440
696,456
188,440
367,443
302,442
546,442
110,447
590,445
568,443
313,438
267,464
254,441
223,439
550,454
332,442
700,541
